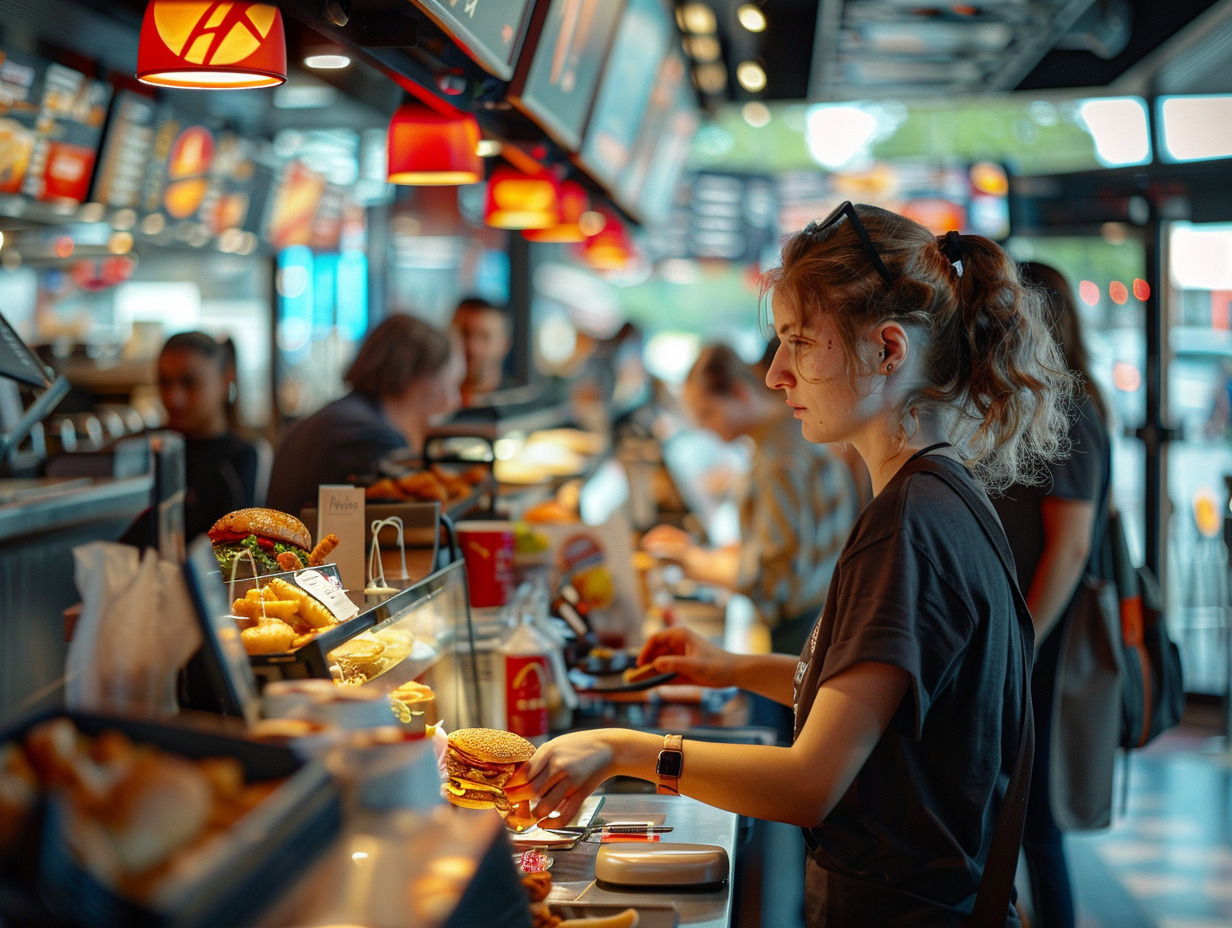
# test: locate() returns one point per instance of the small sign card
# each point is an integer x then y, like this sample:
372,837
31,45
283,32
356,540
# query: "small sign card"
340,510
332,597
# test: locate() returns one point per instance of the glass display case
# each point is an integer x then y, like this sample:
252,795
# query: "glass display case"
420,635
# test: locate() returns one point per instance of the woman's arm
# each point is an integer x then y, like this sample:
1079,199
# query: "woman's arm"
1067,544
799,785
695,660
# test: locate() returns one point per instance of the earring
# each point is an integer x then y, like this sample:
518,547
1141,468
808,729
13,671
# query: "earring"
889,367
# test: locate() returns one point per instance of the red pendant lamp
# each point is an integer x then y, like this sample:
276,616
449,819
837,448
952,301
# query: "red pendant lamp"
211,45
428,147
611,248
518,200
573,206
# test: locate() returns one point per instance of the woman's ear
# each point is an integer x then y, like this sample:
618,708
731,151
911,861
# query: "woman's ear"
894,346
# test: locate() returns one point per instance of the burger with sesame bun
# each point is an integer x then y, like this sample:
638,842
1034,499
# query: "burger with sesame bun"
261,533
480,761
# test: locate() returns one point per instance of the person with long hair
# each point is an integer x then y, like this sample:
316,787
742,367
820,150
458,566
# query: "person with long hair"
198,388
1052,528
909,693
404,379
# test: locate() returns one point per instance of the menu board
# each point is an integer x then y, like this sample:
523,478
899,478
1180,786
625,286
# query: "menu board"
180,168
642,40
555,83
127,147
231,179
51,123
489,31
296,200
647,185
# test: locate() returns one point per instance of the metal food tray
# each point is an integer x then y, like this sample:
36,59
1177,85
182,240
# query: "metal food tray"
312,659
265,852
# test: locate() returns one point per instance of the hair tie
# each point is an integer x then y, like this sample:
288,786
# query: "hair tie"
952,248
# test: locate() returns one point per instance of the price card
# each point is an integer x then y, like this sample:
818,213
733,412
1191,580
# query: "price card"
340,511
332,597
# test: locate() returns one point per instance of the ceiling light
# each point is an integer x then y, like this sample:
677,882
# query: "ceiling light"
327,61
710,78
430,148
751,76
756,114
751,17
220,46
489,148
696,17
574,204
517,200
702,47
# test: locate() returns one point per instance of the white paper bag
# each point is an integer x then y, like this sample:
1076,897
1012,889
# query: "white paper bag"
137,629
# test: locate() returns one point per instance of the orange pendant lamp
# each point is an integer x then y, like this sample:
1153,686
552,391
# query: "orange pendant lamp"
211,45
427,147
611,248
517,200
573,206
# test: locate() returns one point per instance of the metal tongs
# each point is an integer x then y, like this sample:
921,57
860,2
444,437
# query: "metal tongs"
583,832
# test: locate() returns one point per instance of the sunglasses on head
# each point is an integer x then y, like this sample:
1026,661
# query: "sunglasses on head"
845,208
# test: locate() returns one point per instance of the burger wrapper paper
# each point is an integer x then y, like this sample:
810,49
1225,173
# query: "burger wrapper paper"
137,629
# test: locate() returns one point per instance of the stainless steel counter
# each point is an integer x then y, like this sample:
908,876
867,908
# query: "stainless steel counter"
40,524
693,822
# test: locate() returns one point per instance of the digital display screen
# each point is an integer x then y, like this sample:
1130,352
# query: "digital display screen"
489,31
648,184
127,145
555,84
51,124
641,42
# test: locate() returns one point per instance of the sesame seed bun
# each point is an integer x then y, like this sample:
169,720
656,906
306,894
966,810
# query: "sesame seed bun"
492,745
269,523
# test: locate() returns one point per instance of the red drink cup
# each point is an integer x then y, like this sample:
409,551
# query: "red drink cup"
487,548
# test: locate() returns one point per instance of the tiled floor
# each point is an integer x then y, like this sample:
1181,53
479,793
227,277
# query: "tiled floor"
1167,860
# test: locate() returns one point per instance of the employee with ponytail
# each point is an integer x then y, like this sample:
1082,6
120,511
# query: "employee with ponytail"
929,355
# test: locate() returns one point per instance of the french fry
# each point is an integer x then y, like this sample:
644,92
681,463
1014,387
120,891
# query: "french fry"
311,611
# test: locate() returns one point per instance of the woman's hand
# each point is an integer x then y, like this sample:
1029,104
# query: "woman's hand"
690,656
667,542
564,771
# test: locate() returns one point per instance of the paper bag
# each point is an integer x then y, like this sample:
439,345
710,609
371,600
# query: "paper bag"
137,629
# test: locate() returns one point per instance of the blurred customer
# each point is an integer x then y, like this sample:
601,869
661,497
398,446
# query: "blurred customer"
197,384
795,511
486,339
404,380
1051,529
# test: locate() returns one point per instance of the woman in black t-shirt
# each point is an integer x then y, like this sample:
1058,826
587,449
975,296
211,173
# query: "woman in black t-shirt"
1052,529
908,696
196,382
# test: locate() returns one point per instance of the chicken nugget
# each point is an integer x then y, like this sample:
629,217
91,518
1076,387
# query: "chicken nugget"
268,638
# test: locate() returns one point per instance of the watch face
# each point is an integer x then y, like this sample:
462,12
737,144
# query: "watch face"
670,763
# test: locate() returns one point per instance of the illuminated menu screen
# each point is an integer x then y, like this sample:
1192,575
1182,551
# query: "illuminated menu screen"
648,184
126,151
51,123
489,31
641,42
555,85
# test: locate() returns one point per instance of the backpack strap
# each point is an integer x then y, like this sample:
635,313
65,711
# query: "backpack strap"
992,900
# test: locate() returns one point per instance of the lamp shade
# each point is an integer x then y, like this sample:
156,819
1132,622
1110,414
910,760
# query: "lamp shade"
517,200
573,204
211,45
429,148
609,249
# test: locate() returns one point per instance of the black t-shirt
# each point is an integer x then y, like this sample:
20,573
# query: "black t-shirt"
1078,477
340,443
919,587
220,476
